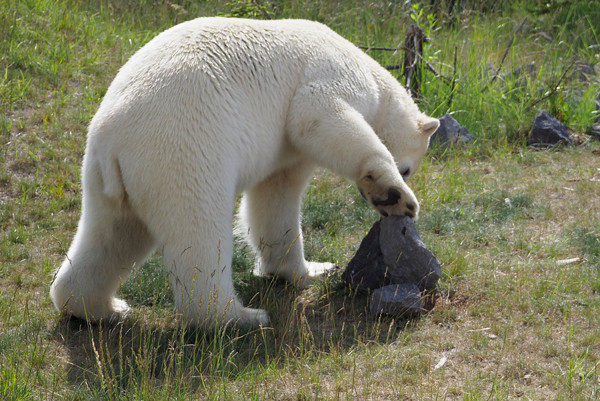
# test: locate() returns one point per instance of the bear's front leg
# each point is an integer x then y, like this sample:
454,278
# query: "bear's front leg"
270,214
340,139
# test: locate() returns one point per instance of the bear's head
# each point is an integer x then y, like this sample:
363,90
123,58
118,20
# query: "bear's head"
406,135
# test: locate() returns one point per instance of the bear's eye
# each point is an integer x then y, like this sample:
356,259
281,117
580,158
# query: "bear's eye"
405,173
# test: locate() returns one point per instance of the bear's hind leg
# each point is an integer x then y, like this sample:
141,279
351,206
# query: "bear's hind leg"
270,214
105,249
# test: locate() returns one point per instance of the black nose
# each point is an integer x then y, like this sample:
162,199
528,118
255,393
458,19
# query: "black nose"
393,198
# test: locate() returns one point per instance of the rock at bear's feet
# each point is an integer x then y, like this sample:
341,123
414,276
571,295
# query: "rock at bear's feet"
405,254
367,269
396,300
393,254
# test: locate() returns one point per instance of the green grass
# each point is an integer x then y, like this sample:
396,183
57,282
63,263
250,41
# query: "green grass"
517,230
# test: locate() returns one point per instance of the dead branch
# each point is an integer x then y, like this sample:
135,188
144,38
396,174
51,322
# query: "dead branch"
413,56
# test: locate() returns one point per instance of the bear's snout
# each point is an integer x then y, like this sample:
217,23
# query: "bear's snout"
393,197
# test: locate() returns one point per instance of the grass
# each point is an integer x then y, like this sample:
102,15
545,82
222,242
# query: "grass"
517,230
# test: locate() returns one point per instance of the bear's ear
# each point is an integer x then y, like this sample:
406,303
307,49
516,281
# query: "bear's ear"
428,125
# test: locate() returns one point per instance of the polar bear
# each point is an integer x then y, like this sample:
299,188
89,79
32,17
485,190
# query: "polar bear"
214,107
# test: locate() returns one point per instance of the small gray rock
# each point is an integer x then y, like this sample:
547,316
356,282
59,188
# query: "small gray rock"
548,131
405,254
396,300
595,131
450,131
597,100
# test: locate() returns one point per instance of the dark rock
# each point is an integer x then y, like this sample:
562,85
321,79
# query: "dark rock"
450,131
406,256
367,270
393,261
396,300
548,131
393,253
595,131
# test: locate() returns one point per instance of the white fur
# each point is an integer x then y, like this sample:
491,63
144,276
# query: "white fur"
208,109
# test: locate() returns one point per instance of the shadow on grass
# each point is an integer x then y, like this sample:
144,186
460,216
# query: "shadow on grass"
151,350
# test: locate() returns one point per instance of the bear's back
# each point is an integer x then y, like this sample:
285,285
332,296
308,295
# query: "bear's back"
235,57
227,85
